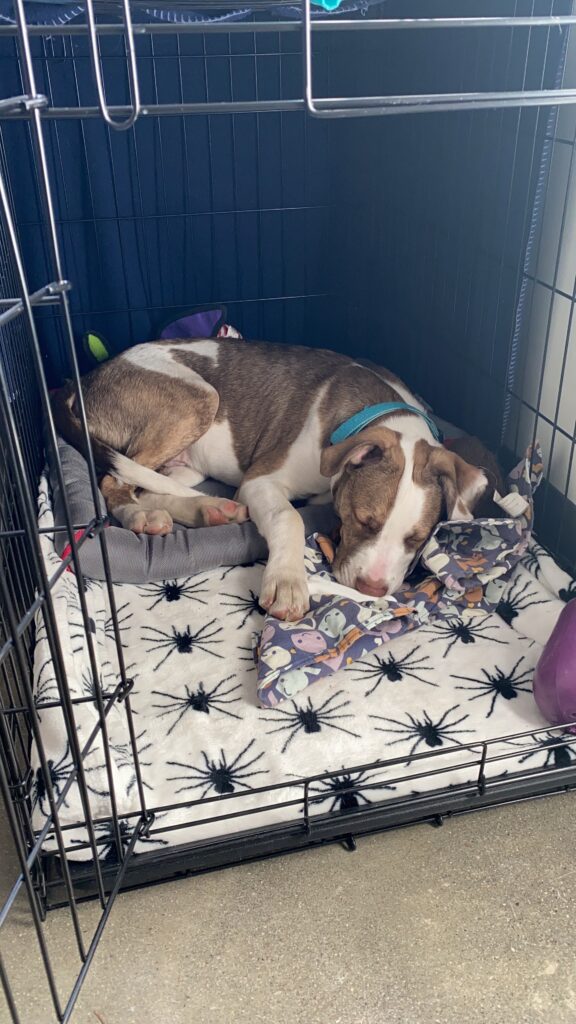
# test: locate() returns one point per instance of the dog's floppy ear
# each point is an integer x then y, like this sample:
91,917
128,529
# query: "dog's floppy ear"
370,445
462,484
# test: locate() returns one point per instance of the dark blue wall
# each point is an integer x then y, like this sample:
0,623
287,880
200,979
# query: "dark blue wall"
398,238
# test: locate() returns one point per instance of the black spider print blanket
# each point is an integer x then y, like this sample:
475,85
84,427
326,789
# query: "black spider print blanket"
201,735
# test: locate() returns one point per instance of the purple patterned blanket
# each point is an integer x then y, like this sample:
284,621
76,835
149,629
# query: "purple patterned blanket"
463,566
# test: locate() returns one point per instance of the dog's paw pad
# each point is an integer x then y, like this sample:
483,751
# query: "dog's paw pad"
222,511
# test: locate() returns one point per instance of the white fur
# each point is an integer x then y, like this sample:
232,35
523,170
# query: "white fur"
129,472
299,475
160,359
268,499
385,560
213,455
207,348
184,475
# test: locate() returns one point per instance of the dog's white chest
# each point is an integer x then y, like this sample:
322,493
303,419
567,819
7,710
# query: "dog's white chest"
299,471
213,455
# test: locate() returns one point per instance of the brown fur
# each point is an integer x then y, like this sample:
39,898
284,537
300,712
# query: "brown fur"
475,453
279,384
371,466
142,414
151,417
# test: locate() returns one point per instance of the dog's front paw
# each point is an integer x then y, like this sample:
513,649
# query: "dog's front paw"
285,594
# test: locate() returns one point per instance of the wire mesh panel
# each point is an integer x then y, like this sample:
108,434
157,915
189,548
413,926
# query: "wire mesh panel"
27,589
541,377
169,168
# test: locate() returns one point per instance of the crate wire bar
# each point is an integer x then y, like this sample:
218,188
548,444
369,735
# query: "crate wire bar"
26,589
317,107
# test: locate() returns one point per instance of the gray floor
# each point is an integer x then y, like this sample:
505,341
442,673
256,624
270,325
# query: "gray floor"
473,922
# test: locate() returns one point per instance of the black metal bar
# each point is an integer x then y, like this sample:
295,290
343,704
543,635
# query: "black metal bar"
29,77
51,629
306,808
87,528
101,925
8,993
430,756
43,596
482,769
28,884
258,844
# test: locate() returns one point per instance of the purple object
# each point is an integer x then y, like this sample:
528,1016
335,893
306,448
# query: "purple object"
555,675
198,325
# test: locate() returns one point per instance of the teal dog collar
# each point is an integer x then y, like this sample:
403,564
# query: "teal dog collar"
361,419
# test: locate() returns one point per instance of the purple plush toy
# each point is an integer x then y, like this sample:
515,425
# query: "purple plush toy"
555,675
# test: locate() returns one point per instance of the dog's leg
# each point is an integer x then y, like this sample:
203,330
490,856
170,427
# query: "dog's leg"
186,415
121,504
284,587
197,510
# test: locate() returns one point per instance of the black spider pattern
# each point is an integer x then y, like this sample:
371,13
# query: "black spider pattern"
78,633
91,688
199,699
549,747
222,776
106,839
456,629
107,681
498,684
183,641
345,791
46,686
124,758
247,655
247,565
242,605
386,666
44,506
518,599
531,560
59,772
40,632
123,617
423,730
309,719
175,590
568,593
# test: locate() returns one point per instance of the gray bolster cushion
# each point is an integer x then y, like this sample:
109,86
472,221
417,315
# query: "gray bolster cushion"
143,559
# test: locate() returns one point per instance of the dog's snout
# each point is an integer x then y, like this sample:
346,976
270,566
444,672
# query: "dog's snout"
371,586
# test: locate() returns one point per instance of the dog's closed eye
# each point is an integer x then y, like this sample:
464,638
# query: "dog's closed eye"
368,522
414,541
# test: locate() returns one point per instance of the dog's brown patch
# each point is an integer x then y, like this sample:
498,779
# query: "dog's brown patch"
371,467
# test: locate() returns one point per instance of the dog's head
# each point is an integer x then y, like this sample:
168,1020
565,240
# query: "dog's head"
390,492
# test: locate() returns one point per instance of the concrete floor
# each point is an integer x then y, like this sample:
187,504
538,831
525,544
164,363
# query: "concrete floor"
473,923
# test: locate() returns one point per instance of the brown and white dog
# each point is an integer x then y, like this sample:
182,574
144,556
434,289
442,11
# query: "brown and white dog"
165,415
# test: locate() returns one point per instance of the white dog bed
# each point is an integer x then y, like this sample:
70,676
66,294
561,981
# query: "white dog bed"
202,737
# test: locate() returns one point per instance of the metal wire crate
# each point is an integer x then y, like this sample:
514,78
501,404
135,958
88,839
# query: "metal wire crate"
235,140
